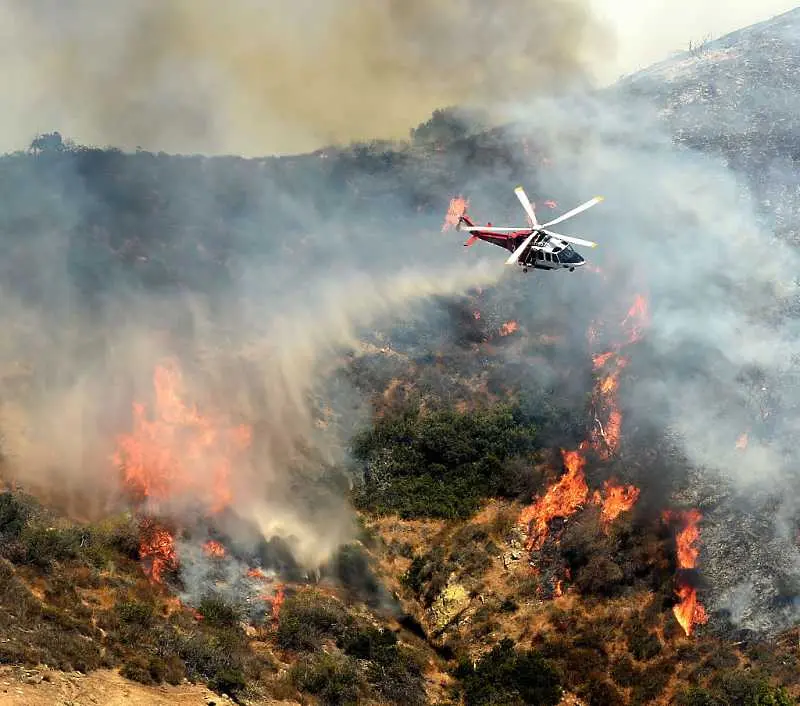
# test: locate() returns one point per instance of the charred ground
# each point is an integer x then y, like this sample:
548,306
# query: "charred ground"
464,585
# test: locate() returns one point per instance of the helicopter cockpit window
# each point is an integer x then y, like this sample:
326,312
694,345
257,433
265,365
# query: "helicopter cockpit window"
569,256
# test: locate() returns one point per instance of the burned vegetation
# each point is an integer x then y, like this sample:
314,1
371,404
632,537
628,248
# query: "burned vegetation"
523,532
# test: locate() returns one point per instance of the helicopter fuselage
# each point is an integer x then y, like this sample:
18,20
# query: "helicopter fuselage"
544,253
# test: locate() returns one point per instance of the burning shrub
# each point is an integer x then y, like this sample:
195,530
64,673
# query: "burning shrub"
505,675
441,464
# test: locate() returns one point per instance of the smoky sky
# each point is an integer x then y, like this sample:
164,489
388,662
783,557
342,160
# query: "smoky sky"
260,77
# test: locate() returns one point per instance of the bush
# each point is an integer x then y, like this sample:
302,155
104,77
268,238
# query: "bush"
643,644
505,676
333,679
218,613
217,658
441,464
309,617
14,515
697,697
44,545
748,689
145,670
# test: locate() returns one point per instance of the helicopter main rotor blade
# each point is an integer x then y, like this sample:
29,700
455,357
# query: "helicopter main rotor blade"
493,229
515,255
569,239
569,214
527,205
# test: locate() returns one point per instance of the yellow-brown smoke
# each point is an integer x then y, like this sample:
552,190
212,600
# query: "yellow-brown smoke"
264,76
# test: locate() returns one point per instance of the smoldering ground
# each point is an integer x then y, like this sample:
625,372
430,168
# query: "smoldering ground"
98,294
718,360
252,77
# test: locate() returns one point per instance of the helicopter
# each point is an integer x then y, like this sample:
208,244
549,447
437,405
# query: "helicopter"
533,246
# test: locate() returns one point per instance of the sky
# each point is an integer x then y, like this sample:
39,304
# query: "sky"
650,30
259,77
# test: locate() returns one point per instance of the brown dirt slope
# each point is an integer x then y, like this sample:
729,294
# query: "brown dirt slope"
45,687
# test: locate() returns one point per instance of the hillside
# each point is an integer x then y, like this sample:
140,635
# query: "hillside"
268,427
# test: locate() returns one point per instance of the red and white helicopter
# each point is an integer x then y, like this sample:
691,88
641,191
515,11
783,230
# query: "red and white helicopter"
534,246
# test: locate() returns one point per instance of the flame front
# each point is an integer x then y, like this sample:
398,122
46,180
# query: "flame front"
615,500
688,611
508,328
562,499
570,492
157,551
458,207
179,454
214,548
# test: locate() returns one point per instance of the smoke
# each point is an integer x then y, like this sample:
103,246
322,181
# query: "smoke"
683,228
248,77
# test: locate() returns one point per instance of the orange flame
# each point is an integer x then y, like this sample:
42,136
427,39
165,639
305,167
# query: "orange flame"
180,452
458,206
742,441
276,601
214,548
562,499
157,551
688,612
618,499
509,327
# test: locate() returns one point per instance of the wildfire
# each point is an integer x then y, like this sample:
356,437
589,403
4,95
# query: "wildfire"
509,327
741,442
457,208
157,551
615,500
606,436
688,611
277,602
562,499
179,453
214,548
570,492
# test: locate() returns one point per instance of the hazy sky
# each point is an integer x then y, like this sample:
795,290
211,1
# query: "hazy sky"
255,77
649,30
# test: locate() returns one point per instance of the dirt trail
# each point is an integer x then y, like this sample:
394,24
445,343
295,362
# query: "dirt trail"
44,687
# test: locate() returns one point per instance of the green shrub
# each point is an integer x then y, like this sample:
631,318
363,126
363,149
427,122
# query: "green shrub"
143,669
309,617
748,689
696,696
441,464
45,546
218,658
333,679
505,676
14,515
219,613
